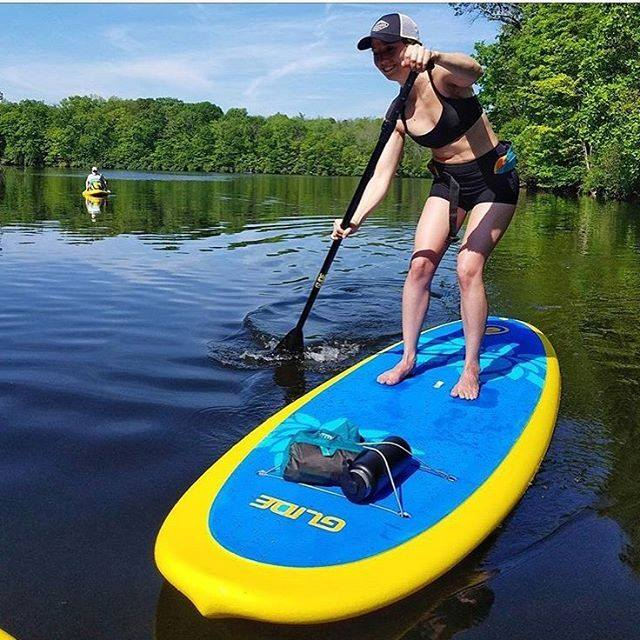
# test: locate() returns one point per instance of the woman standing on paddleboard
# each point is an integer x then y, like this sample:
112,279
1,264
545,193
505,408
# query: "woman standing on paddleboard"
473,176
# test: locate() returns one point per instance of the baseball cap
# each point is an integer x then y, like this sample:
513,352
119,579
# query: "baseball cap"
391,28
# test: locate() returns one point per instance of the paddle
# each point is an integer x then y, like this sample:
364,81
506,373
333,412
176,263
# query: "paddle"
294,340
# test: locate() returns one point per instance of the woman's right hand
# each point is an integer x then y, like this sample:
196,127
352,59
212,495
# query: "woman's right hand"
340,233
418,58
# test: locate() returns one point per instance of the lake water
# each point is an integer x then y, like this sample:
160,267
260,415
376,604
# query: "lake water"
134,353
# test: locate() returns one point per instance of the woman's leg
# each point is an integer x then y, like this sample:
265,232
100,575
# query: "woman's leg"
429,247
487,223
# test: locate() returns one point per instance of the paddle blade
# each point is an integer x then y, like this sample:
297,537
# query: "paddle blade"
292,343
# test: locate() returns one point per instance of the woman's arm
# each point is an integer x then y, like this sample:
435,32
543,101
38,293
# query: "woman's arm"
460,70
378,186
463,70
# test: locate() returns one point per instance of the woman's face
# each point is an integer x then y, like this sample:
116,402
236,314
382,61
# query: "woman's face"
387,57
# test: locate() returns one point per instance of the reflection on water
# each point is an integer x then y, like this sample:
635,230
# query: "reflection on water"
138,347
94,206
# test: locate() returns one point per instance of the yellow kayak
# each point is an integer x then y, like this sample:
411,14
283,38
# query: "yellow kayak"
96,193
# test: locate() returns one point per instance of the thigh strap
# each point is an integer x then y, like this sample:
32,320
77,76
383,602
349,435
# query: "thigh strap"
454,198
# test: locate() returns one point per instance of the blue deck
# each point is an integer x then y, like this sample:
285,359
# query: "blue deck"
467,439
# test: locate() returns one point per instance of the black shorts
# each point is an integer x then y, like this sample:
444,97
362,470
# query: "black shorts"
478,180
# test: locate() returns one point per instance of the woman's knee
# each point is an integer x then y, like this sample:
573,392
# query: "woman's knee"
422,267
469,269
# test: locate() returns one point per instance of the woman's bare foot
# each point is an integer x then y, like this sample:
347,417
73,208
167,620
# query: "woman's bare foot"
468,386
402,370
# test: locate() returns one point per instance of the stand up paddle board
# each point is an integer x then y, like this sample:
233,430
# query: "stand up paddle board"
243,542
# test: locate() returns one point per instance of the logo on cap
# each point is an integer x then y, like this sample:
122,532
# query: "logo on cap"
380,25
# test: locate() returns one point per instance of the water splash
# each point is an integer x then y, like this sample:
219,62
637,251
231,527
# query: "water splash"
253,346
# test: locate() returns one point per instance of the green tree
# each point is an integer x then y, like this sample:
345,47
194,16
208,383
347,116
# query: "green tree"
234,137
564,85
23,128
79,133
278,145
184,143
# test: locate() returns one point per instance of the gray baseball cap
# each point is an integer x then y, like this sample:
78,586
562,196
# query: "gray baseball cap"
391,28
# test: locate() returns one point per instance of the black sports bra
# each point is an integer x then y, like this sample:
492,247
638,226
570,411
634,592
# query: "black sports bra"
458,116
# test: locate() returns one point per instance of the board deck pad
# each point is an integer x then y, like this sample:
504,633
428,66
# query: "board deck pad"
268,520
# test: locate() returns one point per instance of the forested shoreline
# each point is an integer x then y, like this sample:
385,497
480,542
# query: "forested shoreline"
562,81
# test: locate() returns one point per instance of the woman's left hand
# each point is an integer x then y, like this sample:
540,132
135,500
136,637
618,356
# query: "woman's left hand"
417,57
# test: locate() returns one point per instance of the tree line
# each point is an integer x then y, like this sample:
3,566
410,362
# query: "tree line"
562,81
167,134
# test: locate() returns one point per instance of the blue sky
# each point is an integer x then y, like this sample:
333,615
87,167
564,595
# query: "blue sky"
268,58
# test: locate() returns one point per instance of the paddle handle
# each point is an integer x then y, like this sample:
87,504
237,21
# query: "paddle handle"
387,129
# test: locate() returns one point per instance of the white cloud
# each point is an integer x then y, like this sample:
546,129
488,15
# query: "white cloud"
294,68
121,37
52,81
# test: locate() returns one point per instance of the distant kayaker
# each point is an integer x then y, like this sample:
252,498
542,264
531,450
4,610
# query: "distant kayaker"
474,176
95,180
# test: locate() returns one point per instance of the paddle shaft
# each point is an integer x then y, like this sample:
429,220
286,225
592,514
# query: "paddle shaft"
388,127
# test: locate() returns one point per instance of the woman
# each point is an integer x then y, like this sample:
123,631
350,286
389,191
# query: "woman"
467,157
